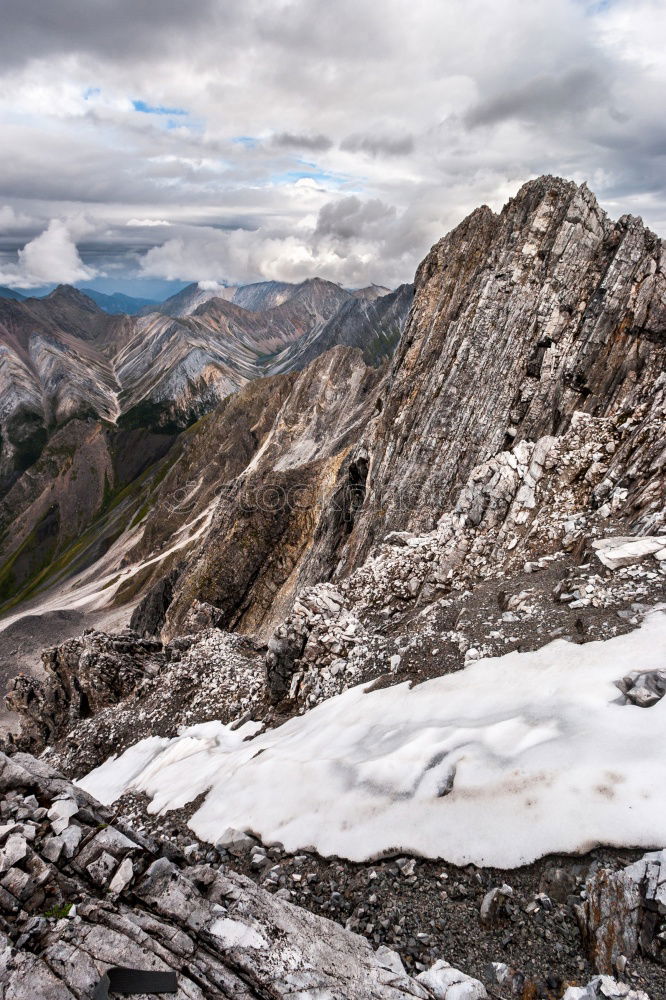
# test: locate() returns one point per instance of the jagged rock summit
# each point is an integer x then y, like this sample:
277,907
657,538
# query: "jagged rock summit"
525,326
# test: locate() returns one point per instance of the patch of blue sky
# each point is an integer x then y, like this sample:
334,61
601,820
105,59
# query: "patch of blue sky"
594,7
246,140
324,177
157,109
90,92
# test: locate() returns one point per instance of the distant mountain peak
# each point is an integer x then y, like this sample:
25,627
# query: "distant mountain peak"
11,293
70,295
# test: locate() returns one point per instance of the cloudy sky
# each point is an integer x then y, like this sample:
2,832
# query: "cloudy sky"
153,141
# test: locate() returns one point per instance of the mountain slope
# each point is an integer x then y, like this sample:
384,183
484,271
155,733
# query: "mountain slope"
63,355
519,322
373,324
188,299
10,293
50,372
257,297
119,304
84,418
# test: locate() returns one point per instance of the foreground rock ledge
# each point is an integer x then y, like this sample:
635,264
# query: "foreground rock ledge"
79,894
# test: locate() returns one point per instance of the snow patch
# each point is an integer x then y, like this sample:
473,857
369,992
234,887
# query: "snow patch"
510,759
235,934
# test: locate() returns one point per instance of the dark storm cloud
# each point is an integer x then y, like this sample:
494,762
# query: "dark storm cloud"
110,29
348,218
575,91
374,145
292,140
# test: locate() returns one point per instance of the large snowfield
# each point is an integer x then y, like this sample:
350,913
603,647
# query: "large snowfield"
510,759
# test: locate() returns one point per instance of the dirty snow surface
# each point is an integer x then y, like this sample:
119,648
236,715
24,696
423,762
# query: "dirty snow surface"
510,759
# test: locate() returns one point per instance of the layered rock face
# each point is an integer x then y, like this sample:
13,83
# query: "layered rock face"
267,521
519,321
536,341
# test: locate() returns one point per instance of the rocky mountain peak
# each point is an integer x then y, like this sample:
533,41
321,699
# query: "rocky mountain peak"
519,320
67,294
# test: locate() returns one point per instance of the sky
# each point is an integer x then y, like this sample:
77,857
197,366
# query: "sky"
149,143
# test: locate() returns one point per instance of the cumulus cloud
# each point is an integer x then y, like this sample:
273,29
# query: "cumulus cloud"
213,257
146,223
350,241
50,257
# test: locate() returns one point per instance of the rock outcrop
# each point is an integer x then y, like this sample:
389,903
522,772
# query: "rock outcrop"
625,912
267,532
83,676
81,893
520,320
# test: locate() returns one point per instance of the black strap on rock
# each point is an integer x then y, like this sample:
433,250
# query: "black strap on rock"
119,980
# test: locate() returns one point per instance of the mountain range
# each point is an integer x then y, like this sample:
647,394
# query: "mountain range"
113,392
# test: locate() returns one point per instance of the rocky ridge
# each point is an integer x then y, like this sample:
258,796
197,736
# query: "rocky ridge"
80,893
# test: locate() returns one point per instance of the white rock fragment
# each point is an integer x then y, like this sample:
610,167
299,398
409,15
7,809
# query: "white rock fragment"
493,900
52,848
447,983
70,839
390,960
5,829
627,550
604,988
235,842
61,812
122,877
14,851
100,870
